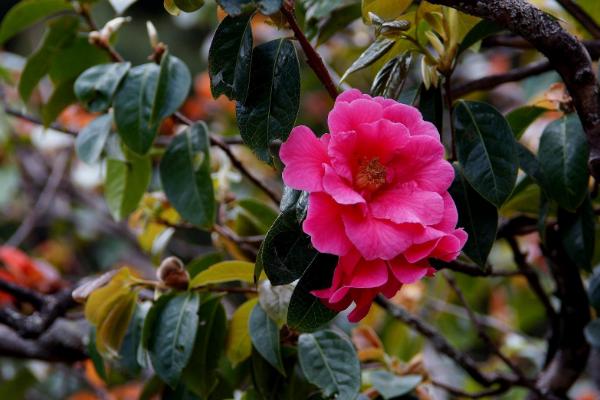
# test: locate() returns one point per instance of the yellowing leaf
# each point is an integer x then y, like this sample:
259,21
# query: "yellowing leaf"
101,301
239,344
225,271
386,9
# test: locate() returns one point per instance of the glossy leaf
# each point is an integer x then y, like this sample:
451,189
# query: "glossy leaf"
97,85
286,251
486,150
563,154
521,118
374,52
391,386
173,336
189,5
478,217
306,312
126,182
264,334
174,82
230,58
529,163
238,7
391,78
200,375
239,345
185,176
578,233
60,34
275,300
26,13
225,271
329,361
91,139
270,110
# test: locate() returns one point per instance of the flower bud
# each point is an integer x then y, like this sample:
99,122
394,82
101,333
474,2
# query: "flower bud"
173,274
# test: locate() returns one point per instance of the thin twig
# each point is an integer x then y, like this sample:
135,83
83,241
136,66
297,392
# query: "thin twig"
44,201
313,59
502,388
581,16
474,270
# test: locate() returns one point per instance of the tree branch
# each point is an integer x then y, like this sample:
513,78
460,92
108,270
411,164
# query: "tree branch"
581,16
566,54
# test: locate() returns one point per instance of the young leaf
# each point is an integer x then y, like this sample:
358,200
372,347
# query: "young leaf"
173,336
563,154
189,5
578,233
238,7
200,375
478,217
97,85
28,12
61,32
391,78
230,58
391,386
373,53
286,251
306,312
185,176
239,345
329,361
270,110
225,271
126,182
486,150
520,118
92,138
264,334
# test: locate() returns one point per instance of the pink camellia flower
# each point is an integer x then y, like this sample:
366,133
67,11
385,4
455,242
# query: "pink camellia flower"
378,185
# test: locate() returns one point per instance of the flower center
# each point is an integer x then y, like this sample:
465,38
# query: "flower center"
371,174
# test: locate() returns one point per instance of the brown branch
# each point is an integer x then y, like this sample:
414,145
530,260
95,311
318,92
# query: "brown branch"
22,294
502,388
581,16
566,54
313,59
442,345
474,270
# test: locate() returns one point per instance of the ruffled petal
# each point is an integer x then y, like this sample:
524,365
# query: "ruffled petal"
406,204
412,119
348,116
303,155
406,272
339,189
324,225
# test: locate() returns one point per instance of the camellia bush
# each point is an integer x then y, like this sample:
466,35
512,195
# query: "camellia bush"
311,199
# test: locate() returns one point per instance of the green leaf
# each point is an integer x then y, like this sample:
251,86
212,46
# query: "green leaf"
391,386
237,7
199,264
479,32
128,354
73,60
97,85
149,94
286,251
594,289
563,154
374,52
329,361
386,9
28,12
578,233
264,334
306,312
432,106
592,333
200,375
270,110
60,34
189,5
174,82
230,58
261,215
225,271
275,300
185,176
486,150
520,118
529,163
478,217
92,138
391,78
173,336
239,345
61,97
126,182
